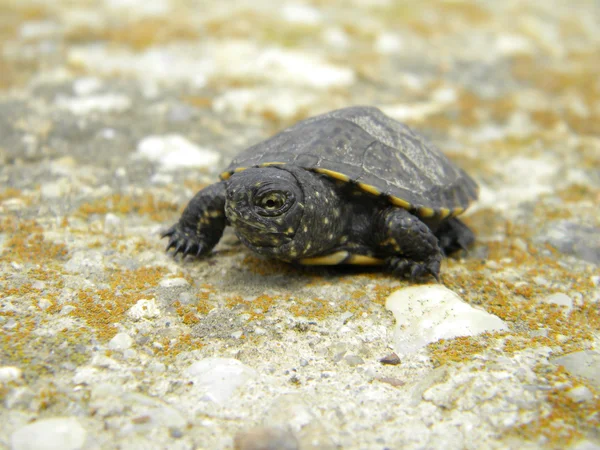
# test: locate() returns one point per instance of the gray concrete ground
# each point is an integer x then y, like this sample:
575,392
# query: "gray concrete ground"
114,113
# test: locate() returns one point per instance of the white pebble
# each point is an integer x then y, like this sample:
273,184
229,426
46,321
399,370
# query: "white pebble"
172,152
10,373
426,314
86,86
580,394
174,283
388,43
301,14
112,222
121,341
562,300
218,378
105,103
144,309
49,434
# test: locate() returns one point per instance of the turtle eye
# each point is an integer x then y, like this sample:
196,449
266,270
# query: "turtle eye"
272,203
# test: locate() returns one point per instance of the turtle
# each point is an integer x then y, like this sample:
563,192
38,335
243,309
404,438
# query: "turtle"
351,186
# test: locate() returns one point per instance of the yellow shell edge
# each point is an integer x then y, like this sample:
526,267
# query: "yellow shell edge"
399,202
370,189
332,174
327,260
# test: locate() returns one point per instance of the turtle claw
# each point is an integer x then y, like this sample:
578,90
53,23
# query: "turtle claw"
185,243
413,270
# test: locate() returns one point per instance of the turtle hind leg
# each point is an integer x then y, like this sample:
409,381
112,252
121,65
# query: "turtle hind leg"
201,225
454,235
411,246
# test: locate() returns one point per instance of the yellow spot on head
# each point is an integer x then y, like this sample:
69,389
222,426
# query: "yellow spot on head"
333,174
240,169
225,175
399,202
370,189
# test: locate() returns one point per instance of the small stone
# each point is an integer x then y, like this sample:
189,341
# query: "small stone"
301,14
173,152
562,300
102,103
585,445
9,374
426,314
266,438
354,360
392,359
580,394
171,283
50,434
144,309
574,239
112,222
396,382
54,190
121,341
218,378
388,43
541,332
584,364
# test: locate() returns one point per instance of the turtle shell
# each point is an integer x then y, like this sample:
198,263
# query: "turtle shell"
381,156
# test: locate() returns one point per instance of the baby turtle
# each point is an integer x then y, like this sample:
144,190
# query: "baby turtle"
351,186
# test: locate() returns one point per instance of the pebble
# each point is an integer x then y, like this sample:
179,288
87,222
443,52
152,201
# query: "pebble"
121,341
266,438
55,190
144,309
562,300
585,445
172,152
580,394
9,374
301,14
426,314
585,364
50,434
574,239
218,378
104,103
354,360
112,222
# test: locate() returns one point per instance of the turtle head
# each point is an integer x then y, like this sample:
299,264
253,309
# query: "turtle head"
265,206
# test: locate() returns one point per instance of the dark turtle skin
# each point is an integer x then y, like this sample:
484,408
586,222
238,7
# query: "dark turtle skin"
352,186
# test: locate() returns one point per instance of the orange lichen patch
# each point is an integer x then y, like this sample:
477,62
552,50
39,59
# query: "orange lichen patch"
571,78
315,308
578,193
148,205
138,35
433,18
256,307
567,420
198,102
9,193
191,314
458,349
27,243
101,309
242,24
172,347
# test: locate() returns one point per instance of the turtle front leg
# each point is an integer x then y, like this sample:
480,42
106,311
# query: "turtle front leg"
413,248
202,223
